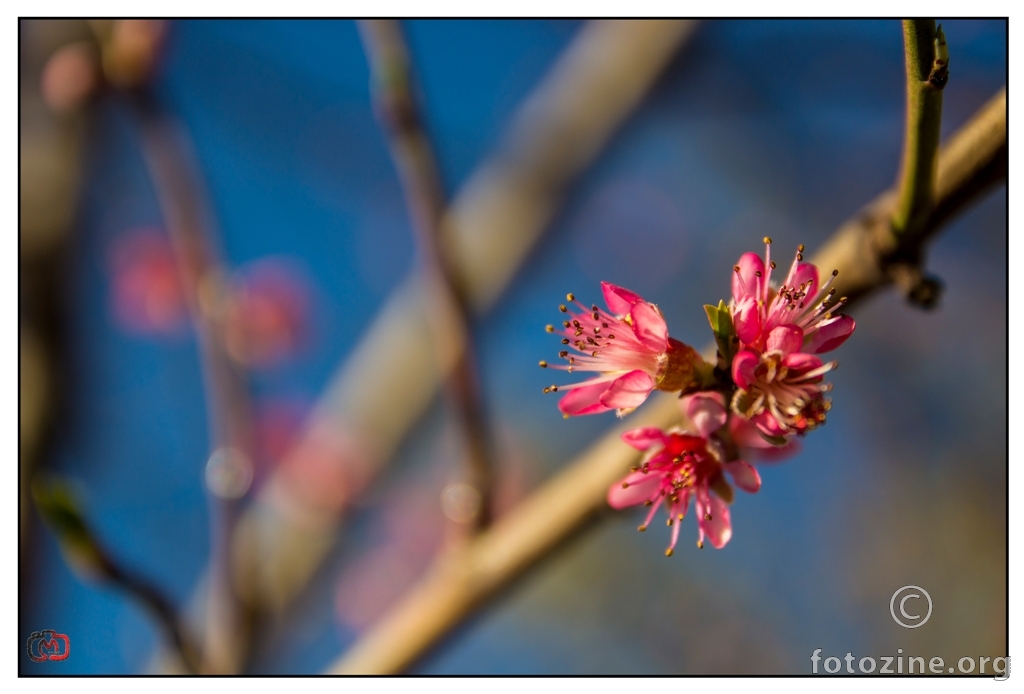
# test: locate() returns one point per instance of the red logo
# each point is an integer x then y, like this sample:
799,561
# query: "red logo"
48,645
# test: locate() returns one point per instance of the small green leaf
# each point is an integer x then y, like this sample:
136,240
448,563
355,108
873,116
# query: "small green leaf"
720,319
59,509
712,312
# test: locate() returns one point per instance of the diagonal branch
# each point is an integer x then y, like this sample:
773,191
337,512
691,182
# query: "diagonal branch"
503,209
468,576
449,317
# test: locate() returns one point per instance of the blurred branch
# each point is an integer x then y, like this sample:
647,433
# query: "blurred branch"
50,149
388,381
87,556
449,318
467,576
927,63
168,154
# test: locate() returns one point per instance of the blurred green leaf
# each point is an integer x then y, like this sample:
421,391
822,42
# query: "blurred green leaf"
60,511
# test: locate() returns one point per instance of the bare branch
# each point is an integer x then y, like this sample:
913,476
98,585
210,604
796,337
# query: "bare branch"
927,73
448,317
469,575
167,153
88,557
388,382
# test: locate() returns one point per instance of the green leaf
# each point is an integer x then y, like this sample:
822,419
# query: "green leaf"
55,500
720,319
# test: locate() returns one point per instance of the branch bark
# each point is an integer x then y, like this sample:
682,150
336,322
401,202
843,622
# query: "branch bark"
467,576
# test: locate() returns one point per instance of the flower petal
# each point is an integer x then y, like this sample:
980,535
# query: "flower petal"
641,488
768,424
649,327
830,335
629,391
800,362
719,528
584,400
744,475
645,437
707,412
804,274
619,300
746,318
745,281
743,366
785,339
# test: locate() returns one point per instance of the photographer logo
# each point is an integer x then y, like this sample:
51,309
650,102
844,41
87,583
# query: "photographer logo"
48,645
907,606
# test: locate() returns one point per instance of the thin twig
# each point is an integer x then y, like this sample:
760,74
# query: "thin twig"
468,576
450,319
927,73
168,155
160,605
388,381
89,557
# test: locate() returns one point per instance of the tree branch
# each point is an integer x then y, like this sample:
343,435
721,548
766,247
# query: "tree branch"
84,552
388,381
167,151
449,319
467,576
927,73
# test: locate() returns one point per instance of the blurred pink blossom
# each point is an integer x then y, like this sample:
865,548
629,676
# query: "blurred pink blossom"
71,76
267,314
146,292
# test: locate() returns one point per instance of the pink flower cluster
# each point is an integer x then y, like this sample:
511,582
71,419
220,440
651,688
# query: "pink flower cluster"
778,375
766,391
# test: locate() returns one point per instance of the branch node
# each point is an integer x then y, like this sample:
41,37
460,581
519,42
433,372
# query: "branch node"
922,290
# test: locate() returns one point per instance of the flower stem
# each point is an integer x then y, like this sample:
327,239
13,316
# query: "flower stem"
927,72
450,324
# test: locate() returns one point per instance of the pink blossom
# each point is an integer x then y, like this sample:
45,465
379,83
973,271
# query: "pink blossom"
628,346
682,464
740,437
801,302
267,314
146,292
781,390
70,77
780,381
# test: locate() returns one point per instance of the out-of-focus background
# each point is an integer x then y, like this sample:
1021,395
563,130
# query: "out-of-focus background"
754,128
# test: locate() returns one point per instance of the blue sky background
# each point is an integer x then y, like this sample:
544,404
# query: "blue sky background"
780,128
